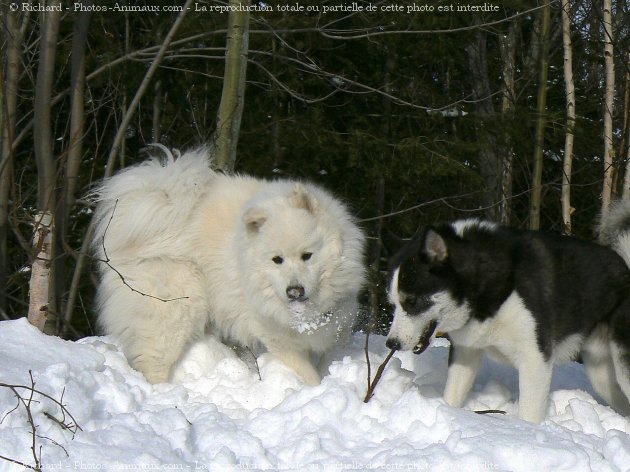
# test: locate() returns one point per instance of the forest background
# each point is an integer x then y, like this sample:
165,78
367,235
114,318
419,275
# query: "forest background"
412,112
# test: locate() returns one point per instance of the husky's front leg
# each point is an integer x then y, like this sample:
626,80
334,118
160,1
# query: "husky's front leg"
463,365
534,381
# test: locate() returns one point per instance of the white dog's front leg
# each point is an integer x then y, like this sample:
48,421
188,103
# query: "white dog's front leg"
288,350
300,363
534,379
463,367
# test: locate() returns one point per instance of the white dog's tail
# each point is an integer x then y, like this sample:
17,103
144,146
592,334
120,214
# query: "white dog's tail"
614,229
145,207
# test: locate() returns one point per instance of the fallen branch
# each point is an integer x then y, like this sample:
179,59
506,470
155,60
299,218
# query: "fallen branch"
25,402
8,459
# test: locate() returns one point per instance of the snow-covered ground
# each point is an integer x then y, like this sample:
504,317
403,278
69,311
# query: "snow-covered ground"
221,416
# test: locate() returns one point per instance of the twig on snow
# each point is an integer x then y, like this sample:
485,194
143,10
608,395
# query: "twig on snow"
377,377
487,412
26,402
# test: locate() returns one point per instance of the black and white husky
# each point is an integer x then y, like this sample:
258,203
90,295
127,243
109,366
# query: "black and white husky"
529,298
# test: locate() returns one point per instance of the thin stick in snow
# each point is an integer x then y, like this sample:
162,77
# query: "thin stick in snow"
377,377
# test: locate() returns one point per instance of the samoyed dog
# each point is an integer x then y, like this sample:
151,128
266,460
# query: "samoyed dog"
182,251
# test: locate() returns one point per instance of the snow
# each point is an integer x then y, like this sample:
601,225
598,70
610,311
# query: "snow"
220,415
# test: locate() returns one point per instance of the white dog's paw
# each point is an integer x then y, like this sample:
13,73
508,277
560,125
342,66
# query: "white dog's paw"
152,371
300,363
310,378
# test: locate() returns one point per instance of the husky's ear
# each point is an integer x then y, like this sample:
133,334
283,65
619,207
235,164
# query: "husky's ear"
435,246
254,218
302,198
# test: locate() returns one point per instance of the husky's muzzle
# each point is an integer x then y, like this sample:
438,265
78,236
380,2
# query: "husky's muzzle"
423,341
425,338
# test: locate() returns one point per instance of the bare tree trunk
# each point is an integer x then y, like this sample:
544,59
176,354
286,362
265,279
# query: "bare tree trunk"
42,133
568,140
77,118
4,202
75,146
532,59
39,287
375,258
377,243
122,153
508,56
536,197
233,94
5,181
608,106
8,83
46,175
624,146
276,130
490,163
156,132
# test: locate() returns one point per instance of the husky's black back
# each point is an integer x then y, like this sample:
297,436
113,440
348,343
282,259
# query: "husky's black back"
569,285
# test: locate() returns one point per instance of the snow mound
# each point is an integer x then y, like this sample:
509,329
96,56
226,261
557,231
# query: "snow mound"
222,415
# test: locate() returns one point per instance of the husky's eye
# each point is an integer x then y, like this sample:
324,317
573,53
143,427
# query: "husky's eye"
424,303
411,300
413,304
306,256
277,260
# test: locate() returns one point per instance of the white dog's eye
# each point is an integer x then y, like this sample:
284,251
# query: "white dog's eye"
277,259
306,256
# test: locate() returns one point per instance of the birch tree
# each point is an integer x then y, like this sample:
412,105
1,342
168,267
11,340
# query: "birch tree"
43,241
570,111
608,105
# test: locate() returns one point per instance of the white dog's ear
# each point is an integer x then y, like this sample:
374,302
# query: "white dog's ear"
333,252
254,218
435,246
335,244
302,198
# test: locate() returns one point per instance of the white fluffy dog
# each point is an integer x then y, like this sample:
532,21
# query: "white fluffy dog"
184,250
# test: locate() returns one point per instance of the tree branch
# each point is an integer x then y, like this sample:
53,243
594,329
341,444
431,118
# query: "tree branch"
36,451
122,129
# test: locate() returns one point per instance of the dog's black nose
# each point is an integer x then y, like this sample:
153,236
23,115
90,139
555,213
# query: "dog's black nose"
295,292
393,343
